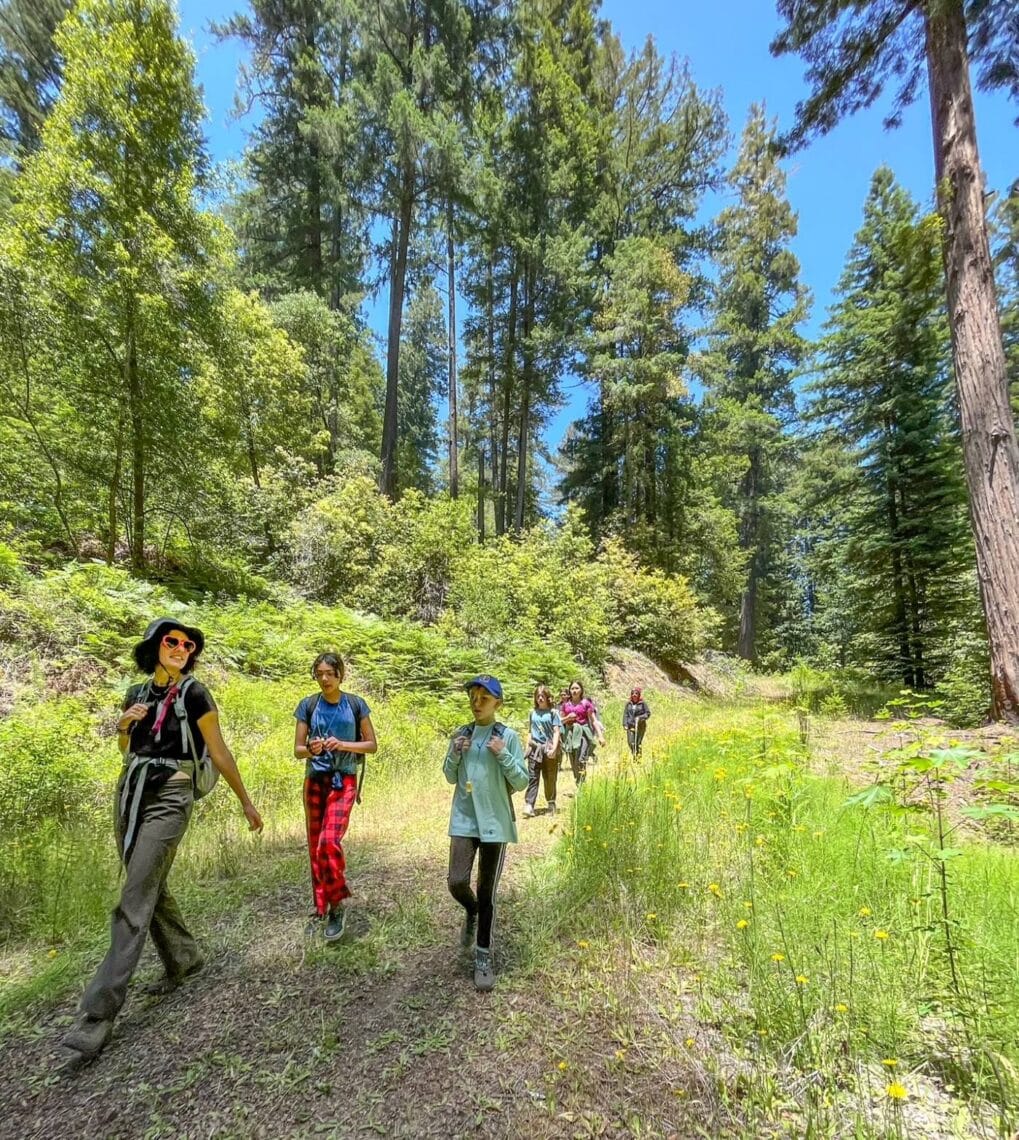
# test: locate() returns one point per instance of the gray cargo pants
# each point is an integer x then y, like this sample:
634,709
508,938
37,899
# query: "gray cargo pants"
145,906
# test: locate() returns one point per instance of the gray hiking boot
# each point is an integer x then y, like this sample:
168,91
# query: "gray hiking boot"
484,974
336,924
468,931
86,1040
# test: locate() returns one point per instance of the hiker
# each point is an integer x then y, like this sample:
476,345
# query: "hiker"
635,717
564,696
580,727
543,750
166,726
486,763
334,733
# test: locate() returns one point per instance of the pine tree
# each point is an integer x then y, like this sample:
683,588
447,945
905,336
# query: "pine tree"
753,348
896,553
30,71
854,48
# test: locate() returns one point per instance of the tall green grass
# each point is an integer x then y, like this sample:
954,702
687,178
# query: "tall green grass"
818,926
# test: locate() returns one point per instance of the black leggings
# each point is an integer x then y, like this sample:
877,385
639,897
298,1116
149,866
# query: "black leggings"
462,850
579,757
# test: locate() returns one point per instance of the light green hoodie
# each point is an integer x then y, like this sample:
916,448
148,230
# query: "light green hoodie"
481,800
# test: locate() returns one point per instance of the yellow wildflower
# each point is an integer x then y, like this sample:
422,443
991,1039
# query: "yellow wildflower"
651,916
689,1042
742,924
748,905
683,886
583,943
587,827
864,912
563,1066
895,1091
720,774
890,1062
53,953
778,957
714,888
802,979
841,1007
620,1054
881,935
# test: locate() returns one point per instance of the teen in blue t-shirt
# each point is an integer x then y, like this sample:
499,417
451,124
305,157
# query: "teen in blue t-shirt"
333,734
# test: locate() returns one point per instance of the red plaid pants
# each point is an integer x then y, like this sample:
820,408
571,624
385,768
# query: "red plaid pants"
327,812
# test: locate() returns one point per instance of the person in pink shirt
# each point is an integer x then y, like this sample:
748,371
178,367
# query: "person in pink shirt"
580,728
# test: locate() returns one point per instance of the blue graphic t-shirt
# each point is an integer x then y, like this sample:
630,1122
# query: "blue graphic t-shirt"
341,720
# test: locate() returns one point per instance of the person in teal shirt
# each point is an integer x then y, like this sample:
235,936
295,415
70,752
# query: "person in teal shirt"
485,762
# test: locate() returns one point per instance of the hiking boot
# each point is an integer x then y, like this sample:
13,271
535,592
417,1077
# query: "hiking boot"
169,982
551,807
468,931
336,924
484,975
86,1040
528,811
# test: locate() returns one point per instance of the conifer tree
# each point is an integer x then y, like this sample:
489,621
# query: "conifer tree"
30,71
752,350
853,49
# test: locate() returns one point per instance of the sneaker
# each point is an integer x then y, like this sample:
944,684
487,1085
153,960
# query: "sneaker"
484,975
551,807
169,982
468,931
336,924
528,811
86,1040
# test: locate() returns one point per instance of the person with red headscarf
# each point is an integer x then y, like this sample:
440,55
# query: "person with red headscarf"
635,717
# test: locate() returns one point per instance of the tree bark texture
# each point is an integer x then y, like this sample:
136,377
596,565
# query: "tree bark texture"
136,401
988,433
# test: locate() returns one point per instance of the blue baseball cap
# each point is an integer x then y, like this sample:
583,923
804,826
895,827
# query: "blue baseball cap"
486,682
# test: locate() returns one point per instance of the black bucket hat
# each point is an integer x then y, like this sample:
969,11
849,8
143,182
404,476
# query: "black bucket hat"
155,630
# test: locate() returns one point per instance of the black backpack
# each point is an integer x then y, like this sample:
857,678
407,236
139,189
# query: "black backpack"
357,708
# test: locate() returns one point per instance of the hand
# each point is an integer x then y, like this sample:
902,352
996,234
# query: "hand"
251,815
550,749
601,739
461,744
316,746
496,744
130,715
332,744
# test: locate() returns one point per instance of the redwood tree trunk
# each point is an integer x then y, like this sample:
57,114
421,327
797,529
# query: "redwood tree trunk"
988,432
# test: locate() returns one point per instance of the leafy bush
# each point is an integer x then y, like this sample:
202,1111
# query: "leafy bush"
965,688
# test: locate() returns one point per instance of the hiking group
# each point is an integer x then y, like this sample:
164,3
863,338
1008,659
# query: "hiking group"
173,750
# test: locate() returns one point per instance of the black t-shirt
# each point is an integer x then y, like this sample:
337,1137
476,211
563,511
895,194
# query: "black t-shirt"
197,702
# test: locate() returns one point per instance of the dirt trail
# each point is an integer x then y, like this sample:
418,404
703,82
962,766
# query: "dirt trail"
281,1036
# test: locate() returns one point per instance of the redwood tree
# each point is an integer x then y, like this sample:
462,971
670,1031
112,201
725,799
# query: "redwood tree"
853,48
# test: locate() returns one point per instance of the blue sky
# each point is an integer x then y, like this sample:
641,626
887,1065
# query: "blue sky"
726,43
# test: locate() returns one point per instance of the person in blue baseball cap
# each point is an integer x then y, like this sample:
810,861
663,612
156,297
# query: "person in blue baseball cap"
485,762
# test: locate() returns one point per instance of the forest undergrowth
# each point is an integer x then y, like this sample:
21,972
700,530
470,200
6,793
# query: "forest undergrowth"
718,940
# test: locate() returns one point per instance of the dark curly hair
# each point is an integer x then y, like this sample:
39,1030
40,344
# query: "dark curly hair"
334,660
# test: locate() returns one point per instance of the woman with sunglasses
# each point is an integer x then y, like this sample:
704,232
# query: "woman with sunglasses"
166,724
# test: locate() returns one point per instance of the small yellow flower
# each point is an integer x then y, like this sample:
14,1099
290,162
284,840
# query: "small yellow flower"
890,1062
679,1092
720,774
583,943
587,827
620,1054
778,957
791,872
895,1091
747,904
563,1066
762,1033
741,827
802,979
881,935
53,953
689,1042
742,924
677,806
714,888
864,912
818,834
760,841
841,1007
683,886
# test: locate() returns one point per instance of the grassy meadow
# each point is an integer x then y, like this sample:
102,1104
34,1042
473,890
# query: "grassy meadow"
823,962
